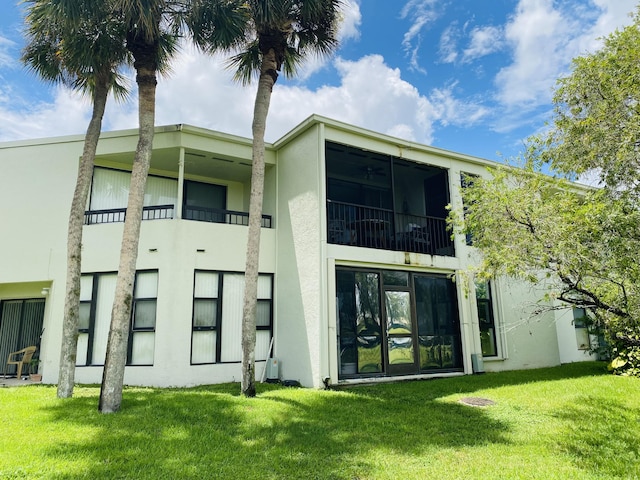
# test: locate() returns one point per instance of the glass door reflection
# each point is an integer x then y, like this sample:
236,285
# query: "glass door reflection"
400,345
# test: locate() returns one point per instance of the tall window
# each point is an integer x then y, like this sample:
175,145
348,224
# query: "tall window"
143,319
217,317
97,292
466,180
581,326
359,318
488,339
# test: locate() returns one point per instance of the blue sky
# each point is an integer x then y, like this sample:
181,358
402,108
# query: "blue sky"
470,76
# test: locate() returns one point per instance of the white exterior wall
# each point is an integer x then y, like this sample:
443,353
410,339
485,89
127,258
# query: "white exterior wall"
525,340
300,280
37,181
36,184
570,351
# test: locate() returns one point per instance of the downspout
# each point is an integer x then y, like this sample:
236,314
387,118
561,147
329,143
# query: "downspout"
325,331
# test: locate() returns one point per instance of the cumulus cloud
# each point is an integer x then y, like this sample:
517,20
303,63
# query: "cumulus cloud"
351,20
543,36
540,35
370,94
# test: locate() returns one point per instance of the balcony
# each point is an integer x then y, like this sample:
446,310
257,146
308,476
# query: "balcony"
385,202
161,212
351,224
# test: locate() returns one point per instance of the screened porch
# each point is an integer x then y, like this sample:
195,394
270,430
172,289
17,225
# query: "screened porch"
379,201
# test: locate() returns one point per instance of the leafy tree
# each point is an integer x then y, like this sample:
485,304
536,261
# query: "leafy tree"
280,35
583,241
83,48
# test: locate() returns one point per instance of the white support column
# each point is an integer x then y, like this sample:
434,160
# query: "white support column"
180,183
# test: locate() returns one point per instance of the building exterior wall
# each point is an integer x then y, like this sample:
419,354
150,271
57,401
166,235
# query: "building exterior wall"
300,288
37,181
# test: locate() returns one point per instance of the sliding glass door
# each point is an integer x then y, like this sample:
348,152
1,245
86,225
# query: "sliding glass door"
396,323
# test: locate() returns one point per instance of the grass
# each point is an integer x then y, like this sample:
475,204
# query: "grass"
569,422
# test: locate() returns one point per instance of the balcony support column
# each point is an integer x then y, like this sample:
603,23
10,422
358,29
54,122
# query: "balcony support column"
178,212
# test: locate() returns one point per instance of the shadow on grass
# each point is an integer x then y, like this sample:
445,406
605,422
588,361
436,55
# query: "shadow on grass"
211,432
284,433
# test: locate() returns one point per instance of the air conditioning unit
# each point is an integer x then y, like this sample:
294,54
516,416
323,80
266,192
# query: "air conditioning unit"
273,369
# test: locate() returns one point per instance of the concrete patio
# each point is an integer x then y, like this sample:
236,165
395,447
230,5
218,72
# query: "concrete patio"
15,382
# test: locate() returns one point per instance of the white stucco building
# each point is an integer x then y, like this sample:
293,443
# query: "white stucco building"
358,272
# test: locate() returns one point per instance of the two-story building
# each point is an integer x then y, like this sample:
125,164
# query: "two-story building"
360,278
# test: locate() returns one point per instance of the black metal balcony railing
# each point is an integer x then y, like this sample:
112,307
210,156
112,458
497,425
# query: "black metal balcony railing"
216,215
157,212
116,215
351,224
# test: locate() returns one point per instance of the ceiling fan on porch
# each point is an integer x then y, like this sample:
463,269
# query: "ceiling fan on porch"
370,172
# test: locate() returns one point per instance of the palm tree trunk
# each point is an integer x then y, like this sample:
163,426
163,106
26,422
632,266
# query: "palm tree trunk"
69,348
116,357
260,111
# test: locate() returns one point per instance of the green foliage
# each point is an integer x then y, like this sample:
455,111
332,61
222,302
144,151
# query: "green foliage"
569,422
293,29
582,242
80,44
626,353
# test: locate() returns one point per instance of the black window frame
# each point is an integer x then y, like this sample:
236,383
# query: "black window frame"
90,331
219,324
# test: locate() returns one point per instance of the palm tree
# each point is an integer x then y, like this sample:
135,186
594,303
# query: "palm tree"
152,28
282,34
82,48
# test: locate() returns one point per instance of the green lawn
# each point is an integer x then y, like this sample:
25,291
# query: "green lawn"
570,422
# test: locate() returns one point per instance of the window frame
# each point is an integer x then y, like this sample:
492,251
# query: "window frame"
93,302
490,308
220,320
133,330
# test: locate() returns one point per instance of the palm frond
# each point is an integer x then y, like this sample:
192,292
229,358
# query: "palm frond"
218,25
246,64
294,29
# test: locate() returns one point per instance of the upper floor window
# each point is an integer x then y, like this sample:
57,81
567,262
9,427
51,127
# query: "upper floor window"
466,180
204,202
110,195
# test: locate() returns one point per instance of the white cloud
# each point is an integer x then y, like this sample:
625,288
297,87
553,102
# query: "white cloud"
371,95
536,33
448,48
451,110
422,14
543,37
349,30
200,92
67,114
484,41
6,59
351,20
